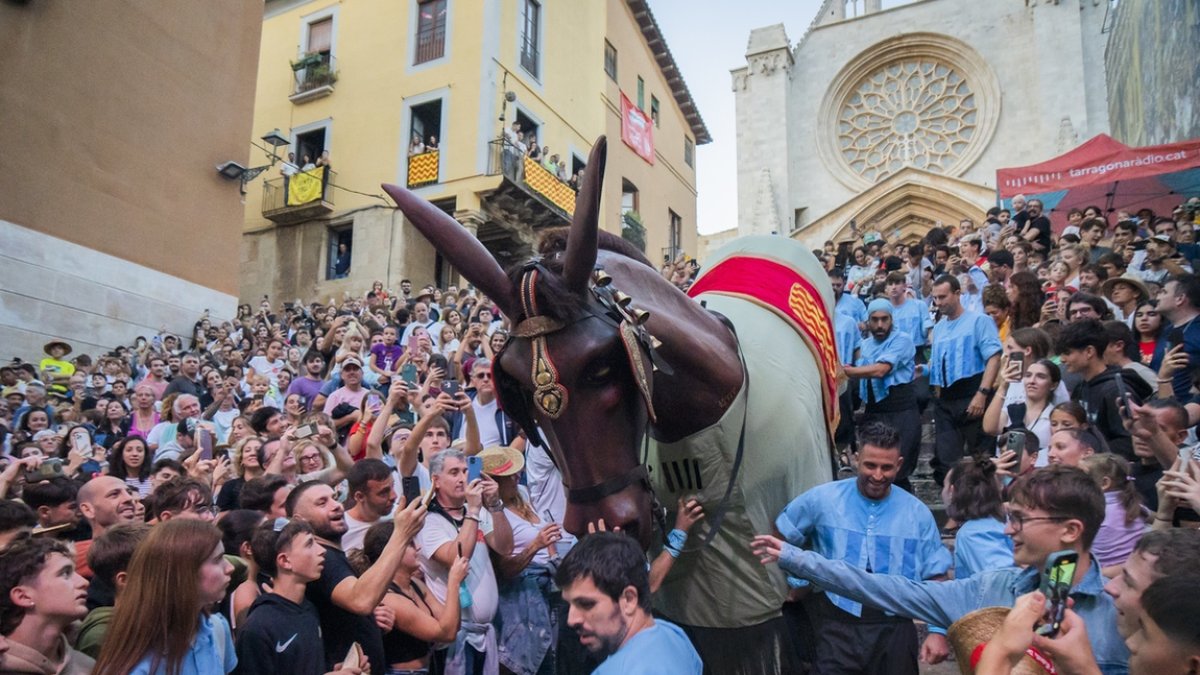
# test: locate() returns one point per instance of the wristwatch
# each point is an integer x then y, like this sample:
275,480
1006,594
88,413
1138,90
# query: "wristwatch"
987,391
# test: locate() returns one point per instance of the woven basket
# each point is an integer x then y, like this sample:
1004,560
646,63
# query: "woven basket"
972,630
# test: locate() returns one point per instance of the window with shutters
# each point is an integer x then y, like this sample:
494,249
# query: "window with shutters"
431,31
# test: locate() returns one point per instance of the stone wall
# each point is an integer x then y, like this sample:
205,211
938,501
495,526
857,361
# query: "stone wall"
1153,71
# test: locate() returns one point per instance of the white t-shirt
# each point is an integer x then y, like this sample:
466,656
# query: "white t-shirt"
545,484
262,366
481,579
356,530
524,532
485,417
162,433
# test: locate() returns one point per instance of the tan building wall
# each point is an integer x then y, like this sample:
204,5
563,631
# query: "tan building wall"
115,114
369,109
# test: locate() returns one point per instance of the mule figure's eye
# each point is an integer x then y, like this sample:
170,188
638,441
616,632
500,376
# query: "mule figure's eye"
600,374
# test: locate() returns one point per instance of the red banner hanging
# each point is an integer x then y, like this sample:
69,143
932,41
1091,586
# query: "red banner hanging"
637,130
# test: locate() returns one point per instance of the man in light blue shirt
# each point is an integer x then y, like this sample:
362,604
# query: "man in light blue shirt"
868,524
884,366
848,304
1052,509
963,363
606,585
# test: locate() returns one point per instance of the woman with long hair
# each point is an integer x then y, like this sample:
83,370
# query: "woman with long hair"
237,528
1025,294
130,461
162,621
244,462
1040,380
1124,512
1147,325
110,428
421,621
293,409
972,495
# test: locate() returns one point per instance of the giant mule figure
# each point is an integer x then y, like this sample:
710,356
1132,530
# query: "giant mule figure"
604,351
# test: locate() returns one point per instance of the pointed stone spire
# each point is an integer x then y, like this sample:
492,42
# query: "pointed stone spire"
766,212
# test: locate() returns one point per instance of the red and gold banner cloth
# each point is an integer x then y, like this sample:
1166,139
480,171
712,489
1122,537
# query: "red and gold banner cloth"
793,298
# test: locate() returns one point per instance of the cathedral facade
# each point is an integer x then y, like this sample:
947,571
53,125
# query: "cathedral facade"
897,119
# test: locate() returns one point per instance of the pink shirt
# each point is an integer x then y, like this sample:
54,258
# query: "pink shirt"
344,395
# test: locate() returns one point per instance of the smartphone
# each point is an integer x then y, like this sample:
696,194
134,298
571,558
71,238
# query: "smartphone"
374,401
305,430
1122,396
413,341
411,487
460,549
1018,357
204,441
1057,580
1185,459
81,443
1015,443
1174,338
407,417
409,374
450,387
354,656
429,496
474,468
49,468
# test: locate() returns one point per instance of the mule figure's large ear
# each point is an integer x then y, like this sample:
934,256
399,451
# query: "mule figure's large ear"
581,244
463,250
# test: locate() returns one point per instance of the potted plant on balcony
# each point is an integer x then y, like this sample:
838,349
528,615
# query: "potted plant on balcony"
632,229
308,60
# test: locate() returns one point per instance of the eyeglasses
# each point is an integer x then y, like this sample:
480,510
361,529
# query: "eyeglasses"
483,376
202,509
1018,520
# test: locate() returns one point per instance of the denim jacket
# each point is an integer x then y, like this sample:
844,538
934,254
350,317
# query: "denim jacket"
942,603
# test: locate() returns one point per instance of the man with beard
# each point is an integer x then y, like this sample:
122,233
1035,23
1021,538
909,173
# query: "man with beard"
349,605
885,364
880,530
308,385
607,587
104,502
1036,228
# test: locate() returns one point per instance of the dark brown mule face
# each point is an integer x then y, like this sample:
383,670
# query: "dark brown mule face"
597,438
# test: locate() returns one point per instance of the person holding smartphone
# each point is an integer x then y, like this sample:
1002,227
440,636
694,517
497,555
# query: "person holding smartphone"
1179,304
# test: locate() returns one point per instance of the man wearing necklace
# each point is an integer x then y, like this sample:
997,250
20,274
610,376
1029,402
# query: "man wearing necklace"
459,524
963,366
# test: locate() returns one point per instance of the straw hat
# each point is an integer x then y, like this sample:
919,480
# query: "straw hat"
1129,280
968,633
66,347
500,460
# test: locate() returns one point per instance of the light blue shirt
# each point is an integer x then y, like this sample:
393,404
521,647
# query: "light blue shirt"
846,336
979,546
912,319
660,649
962,347
941,603
895,350
850,305
973,302
212,652
895,535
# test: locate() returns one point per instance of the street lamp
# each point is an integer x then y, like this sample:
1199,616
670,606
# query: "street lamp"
235,171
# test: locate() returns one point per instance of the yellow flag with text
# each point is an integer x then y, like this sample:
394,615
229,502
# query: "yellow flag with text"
305,186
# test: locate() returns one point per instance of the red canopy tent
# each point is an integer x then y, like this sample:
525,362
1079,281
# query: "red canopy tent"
1103,172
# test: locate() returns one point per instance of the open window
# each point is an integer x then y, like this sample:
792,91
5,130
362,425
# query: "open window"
531,129
341,250
427,124
629,196
309,146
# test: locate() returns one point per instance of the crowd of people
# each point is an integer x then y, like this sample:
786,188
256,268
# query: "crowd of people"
1060,372
332,487
518,144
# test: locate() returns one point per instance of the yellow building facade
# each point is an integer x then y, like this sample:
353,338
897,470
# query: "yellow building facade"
421,93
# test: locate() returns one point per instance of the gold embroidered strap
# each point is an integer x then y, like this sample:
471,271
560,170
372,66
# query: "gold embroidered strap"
536,326
640,376
548,395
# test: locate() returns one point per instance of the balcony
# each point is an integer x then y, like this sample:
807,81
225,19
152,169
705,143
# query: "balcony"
532,179
299,197
313,77
422,169
431,43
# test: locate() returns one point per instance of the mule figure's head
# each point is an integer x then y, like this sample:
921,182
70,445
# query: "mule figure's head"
578,368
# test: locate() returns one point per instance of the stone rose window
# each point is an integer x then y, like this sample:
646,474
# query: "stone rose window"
918,113
918,100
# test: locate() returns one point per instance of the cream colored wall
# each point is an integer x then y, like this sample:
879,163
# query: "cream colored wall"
667,184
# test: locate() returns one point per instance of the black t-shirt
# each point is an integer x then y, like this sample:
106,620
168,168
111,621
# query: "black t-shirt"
1042,225
229,498
340,628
